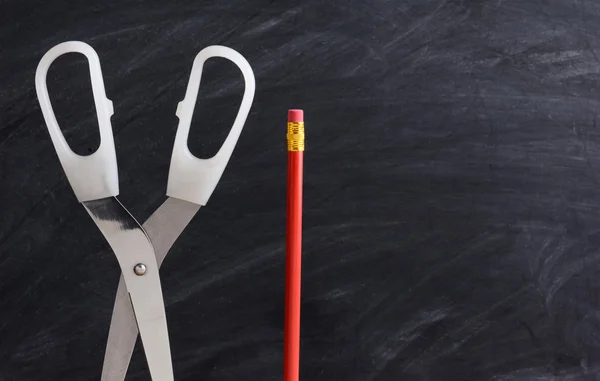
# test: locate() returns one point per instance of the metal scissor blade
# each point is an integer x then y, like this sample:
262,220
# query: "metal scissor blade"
163,227
132,246
123,331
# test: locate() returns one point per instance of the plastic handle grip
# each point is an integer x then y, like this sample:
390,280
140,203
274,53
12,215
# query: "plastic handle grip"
190,178
93,176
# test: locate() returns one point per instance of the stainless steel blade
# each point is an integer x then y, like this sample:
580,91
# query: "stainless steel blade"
132,246
163,228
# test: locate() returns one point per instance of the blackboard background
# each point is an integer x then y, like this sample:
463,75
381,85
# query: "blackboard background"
452,194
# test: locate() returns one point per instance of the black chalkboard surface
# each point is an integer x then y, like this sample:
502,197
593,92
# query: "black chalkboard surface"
452,187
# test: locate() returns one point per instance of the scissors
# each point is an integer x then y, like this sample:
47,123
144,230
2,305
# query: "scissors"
141,249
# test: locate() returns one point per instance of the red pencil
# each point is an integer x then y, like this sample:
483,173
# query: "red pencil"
295,143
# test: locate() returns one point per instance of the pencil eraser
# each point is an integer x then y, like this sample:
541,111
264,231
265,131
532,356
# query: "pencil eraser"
295,116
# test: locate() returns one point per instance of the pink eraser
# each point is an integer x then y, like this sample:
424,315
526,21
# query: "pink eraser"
295,116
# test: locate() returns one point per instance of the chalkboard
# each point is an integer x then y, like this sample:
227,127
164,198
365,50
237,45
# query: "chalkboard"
451,197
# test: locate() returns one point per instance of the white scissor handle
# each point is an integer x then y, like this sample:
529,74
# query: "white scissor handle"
93,176
190,178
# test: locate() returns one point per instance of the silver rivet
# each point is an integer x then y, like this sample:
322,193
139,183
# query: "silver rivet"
139,269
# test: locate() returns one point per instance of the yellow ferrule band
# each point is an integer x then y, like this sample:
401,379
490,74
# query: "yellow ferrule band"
295,136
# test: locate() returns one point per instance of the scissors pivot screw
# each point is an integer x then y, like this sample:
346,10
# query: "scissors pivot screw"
139,269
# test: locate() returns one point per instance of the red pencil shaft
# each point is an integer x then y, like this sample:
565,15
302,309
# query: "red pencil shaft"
293,267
